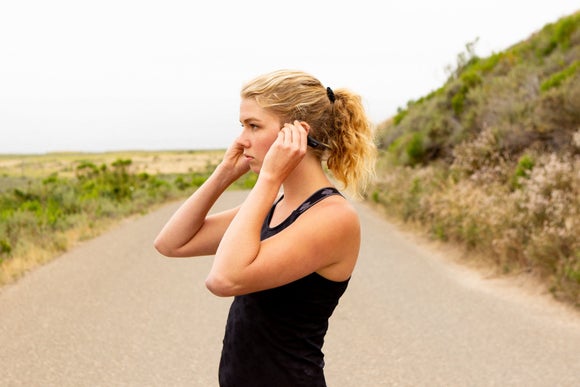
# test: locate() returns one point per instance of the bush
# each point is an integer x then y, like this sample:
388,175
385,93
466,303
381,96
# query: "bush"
42,212
533,226
522,171
558,78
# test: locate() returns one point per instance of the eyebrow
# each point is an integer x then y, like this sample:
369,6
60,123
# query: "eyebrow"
250,119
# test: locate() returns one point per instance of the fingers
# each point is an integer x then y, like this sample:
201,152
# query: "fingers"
234,156
286,152
235,149
294,133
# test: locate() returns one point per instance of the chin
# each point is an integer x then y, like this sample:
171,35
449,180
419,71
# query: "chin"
255,168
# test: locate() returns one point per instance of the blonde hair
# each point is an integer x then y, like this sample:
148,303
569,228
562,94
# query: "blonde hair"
340,125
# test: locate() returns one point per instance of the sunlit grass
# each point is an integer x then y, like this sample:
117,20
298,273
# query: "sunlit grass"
49,203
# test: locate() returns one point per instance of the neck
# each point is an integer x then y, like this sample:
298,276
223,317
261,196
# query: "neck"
306,178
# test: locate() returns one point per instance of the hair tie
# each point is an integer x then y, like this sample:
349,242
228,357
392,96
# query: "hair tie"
330,94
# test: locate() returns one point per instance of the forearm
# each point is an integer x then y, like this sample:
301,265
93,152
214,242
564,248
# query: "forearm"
240,244
189,218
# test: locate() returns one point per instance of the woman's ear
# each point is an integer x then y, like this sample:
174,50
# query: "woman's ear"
305,126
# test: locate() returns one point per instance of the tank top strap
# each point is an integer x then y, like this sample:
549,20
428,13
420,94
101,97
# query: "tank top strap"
315,198
268,231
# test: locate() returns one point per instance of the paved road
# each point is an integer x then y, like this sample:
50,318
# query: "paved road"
113,312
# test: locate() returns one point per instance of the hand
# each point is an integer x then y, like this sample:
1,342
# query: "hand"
286,152
234,163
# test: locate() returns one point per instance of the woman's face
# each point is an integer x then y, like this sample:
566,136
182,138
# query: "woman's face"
259,131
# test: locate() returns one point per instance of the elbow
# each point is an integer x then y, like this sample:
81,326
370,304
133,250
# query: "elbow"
163,248
219,285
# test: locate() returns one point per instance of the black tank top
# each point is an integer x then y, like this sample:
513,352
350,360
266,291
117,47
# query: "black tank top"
274,337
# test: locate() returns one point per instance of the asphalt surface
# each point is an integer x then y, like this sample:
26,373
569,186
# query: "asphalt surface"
113,312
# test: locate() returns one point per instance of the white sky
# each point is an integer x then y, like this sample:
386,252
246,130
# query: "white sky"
135,74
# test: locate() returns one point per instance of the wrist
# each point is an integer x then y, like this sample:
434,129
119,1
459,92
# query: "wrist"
223,176
269,180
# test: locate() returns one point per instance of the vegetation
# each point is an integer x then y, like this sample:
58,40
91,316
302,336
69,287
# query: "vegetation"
490,160
44,212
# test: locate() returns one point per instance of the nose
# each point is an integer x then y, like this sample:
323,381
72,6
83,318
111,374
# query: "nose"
243,140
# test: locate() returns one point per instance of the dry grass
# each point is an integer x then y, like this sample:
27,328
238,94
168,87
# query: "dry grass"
31,254
37,243
532,228
142,161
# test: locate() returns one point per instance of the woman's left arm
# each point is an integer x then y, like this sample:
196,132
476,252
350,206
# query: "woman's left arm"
241,243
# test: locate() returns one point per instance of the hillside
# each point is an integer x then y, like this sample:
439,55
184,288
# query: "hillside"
490,160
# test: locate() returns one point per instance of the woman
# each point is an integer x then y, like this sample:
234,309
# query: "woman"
287,261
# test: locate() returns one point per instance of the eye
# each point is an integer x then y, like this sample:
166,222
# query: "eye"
250,126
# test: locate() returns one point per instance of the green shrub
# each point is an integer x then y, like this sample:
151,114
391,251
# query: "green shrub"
52,205
197,179
246,182
181,184
522,171
564,29
415,149
488,64
458,101
5,247
401,113
558,78
470,79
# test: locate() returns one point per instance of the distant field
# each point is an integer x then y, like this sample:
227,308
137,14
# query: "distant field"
153,162
53,201
17,170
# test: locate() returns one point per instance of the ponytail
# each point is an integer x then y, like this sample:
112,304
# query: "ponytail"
352,152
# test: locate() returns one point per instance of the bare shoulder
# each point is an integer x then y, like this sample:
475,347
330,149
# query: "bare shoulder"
329,221
336,209
333,225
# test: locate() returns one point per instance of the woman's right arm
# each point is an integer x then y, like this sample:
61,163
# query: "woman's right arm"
190,231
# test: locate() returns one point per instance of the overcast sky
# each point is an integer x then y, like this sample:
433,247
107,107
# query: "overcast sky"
135,74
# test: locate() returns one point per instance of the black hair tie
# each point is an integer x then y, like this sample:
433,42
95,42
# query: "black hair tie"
330,94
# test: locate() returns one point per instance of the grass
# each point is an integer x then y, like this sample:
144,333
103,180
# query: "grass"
30,166
49,203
